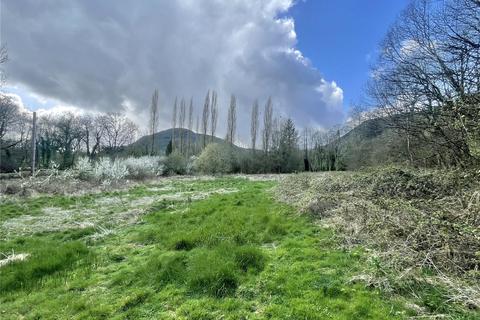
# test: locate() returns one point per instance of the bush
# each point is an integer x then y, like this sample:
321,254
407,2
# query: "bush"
215,159
175,163
84,168
143,167
107,170
191,165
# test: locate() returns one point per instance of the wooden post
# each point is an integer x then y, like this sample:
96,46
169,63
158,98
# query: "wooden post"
34,141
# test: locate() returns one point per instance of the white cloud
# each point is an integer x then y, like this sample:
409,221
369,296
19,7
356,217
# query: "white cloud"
110,55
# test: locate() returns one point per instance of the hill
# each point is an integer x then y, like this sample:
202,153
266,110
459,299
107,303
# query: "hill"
162,138
372,143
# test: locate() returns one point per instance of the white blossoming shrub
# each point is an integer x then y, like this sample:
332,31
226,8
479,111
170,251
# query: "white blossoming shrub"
84,168
143,167
190,169
109,171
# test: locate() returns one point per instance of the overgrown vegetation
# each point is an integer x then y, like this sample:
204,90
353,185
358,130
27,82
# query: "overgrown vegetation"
422,228
232,255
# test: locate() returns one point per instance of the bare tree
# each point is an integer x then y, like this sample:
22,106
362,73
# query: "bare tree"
86,123
197,127
267,125
190,126
68,136
153,119
97,133
214,113
182,124
174,123
427,79
47,145
232,120
119,131
254,125
3,59
9,115
307,138
205,116
3,54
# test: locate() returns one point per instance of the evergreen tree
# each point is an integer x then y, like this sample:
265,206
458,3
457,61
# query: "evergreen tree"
169,148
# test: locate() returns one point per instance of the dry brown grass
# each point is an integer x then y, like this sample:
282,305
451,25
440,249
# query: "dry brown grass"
412,221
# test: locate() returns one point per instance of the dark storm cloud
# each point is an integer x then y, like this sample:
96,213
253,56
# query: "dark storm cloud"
110,55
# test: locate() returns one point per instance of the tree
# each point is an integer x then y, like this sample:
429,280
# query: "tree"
47,146
153,119
119,131
288,147
174,123
15,128
9,117
3,59
86,125
214,113
169,149
190,125
205,116
232,120
307,137
197,124
182,124
427,79
97,133
254,125
68,135
267,126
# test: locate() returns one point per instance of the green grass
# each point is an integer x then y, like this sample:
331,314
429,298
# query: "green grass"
231,256
46,259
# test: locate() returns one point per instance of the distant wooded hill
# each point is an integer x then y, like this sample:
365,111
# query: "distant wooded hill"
162,139
376,142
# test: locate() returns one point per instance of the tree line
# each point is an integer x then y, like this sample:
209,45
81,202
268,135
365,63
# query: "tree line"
60,137
427,81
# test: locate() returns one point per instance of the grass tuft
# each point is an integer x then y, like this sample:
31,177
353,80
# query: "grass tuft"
45,259
250,258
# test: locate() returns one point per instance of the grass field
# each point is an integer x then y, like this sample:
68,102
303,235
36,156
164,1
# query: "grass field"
178,249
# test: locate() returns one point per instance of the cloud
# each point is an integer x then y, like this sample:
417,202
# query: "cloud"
110,55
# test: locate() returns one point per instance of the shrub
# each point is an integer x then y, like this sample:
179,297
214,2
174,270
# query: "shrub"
143,167
175,163
215,159
109,171
84,168
190,169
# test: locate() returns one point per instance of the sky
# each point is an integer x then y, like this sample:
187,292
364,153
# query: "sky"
312,57
342,38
